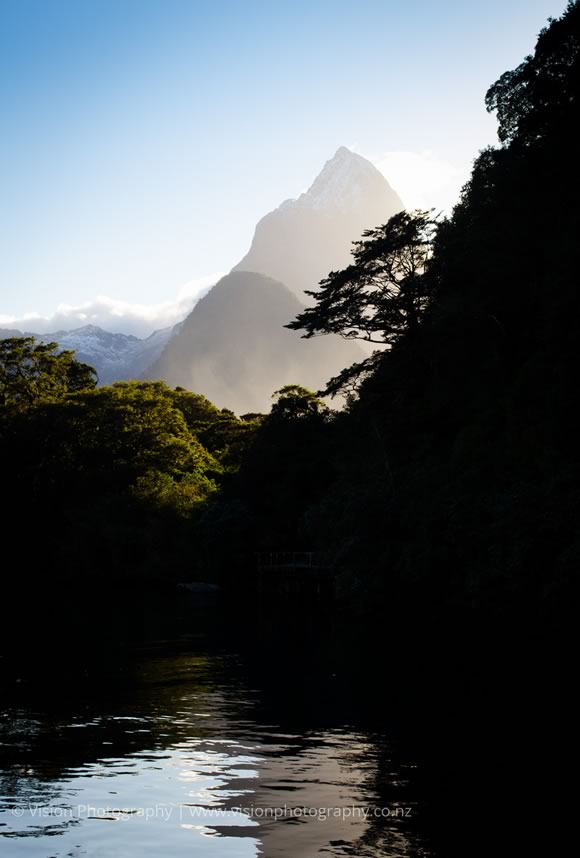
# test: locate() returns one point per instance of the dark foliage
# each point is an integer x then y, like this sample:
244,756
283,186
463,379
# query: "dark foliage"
464,430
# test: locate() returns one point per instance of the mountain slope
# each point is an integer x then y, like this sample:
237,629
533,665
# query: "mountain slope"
234,348
302,240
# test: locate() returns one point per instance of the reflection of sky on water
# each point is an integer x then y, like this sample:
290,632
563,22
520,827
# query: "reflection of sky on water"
179,763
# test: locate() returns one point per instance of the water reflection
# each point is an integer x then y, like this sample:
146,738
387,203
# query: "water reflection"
181,754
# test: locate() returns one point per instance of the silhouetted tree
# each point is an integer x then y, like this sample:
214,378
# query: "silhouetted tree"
540,96
384,293
380,298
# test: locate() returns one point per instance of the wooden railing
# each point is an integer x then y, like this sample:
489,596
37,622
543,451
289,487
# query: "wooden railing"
293,560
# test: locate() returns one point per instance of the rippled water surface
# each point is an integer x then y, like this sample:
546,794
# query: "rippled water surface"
181,754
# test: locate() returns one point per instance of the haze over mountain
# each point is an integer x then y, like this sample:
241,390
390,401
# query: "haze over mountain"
303,239
233,347
235,350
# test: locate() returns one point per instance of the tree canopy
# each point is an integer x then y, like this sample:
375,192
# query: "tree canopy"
111,477
31,372
294,402
538,98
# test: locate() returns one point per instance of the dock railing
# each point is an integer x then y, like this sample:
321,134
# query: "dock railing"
293,560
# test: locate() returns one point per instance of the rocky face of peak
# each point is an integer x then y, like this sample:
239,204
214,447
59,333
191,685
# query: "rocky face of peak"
303,239
346,182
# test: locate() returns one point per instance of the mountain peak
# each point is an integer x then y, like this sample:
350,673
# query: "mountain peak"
87,329
345,182
342,152
302,240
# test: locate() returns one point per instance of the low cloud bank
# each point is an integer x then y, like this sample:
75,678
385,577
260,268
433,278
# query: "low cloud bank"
114,315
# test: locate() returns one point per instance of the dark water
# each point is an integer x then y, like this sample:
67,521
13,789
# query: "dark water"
183,748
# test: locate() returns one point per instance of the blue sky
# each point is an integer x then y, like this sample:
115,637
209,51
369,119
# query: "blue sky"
141,140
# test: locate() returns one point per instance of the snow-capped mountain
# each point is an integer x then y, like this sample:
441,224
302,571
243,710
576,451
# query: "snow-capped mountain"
116,357
304,239
346,182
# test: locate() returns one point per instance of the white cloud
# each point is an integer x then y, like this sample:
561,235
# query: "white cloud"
422,179
114,315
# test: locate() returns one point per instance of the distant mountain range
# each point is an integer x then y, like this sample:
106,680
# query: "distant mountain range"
116,357
233,346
